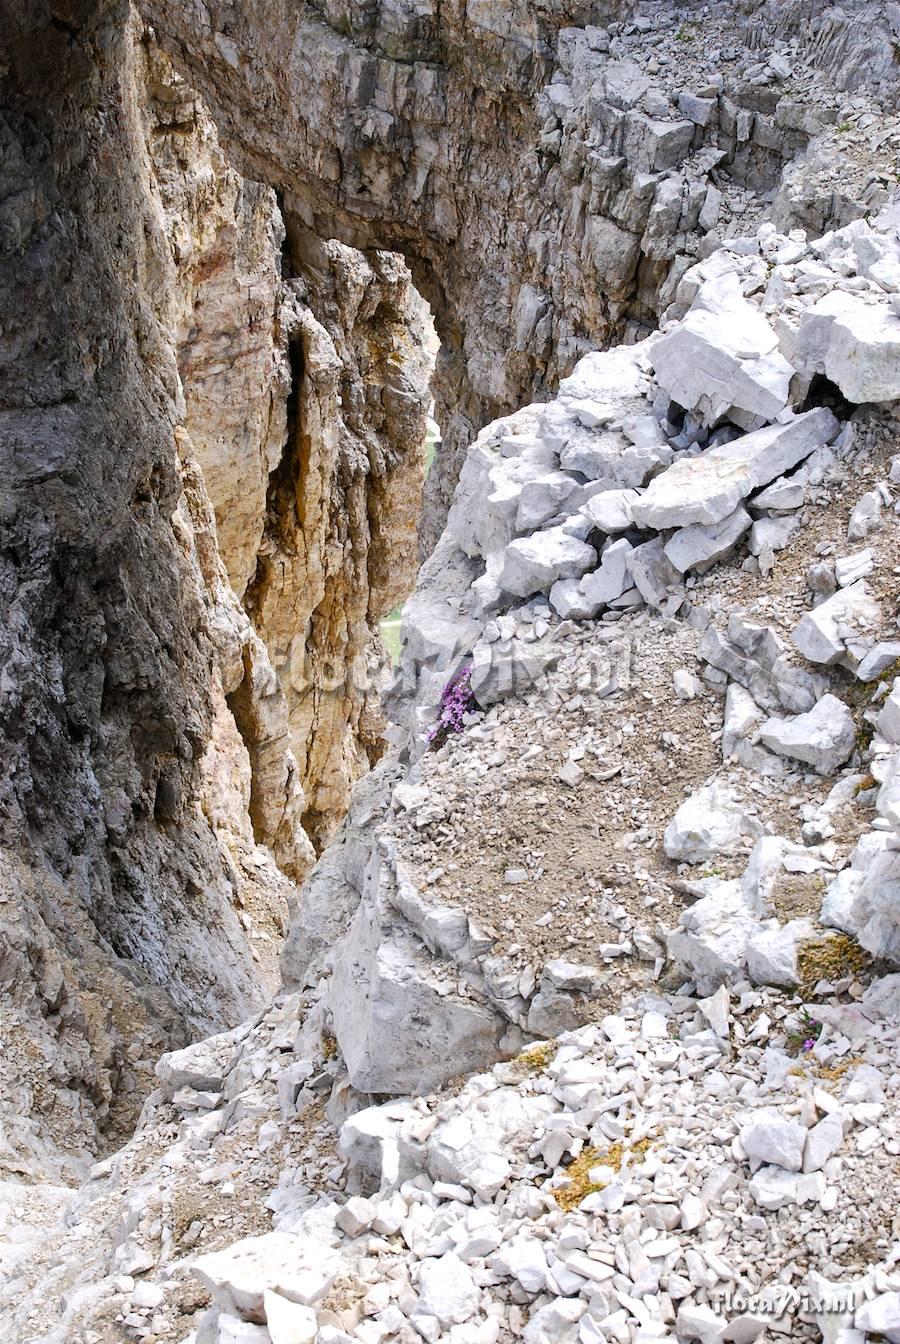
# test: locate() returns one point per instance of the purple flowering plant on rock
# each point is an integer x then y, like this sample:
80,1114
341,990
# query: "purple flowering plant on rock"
804,1038
457,700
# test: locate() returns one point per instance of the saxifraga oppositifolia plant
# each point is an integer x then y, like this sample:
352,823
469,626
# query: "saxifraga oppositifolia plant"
457,700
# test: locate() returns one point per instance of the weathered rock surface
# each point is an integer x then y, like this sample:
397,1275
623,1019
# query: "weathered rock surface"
191,835
823,738
121,895
174,741
558,114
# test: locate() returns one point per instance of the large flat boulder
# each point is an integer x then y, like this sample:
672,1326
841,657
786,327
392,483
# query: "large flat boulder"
863,354
707,488
402,1026
842,629
722,359
823,738
533,564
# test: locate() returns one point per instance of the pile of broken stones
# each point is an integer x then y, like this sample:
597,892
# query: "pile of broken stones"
676,1170
671,1171
705,1163
656,462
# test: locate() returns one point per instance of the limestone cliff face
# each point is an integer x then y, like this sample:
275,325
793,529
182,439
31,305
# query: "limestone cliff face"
120,924
181,433
213,408
549,171
306,389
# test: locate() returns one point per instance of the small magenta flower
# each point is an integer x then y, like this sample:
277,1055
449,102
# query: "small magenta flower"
808,1044
457,700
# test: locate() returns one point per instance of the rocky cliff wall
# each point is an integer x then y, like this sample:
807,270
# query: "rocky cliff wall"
120,928
181,432
549,171
305,387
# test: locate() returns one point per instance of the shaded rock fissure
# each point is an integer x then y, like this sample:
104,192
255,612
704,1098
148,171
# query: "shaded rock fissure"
227,449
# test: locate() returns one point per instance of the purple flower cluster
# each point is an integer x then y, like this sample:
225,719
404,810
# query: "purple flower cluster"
457,700
808,1034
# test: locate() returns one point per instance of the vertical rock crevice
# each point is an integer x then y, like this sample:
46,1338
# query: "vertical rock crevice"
305,397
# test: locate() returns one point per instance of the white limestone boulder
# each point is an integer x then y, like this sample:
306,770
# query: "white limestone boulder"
880,1316
876,909
865,516
447,1290
824,738
823,1141
654,144
773,534
839,900
842,629
888,721
700,546
654,576
298,1268
541,499
711,940
201,1066
583,599
756,657
533,564
879,658
850,568
369,1141
609,456
505,455
707,488
711,821
772,1139
556,1322
742,718
289,1322
611,578
723,358
863,352
232,1330
472,1148
569,601
434,632
772,952
400,1021
610,510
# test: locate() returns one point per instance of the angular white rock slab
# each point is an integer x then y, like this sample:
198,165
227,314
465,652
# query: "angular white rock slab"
863,353
770,1138
888,721
823,1141
772,953
447,1289
838,628
723,357
709,822
610,511
654,576
542,499
712,940
708,488
289,1322
609,581
700,546
533,564
298,1268
823,738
